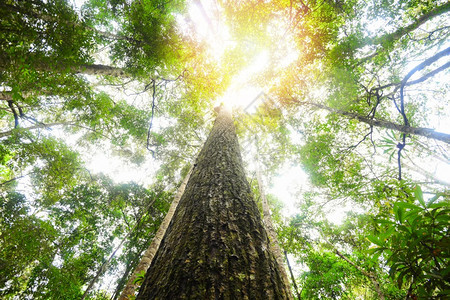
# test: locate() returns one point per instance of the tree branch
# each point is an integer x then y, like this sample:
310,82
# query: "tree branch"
411,27
425,132
419,67
153,83
39,126
299,295
16,117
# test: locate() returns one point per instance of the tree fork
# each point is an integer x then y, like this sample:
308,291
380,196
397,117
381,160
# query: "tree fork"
216,246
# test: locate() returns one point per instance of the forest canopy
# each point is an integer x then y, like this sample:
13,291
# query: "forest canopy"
341,107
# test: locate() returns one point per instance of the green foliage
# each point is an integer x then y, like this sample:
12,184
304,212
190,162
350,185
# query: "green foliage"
328,277
147,36
415,242
54,254
43,32
24,240
351,57
53,166
329,165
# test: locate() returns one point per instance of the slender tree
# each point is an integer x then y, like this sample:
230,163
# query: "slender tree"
216,245
148,255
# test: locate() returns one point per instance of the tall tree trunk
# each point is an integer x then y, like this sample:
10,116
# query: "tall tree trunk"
274,245
148,255
216,246
426,132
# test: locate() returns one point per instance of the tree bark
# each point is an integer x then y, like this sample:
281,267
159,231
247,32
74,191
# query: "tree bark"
87,69
425,132
274,245
148,255
216,246
104,70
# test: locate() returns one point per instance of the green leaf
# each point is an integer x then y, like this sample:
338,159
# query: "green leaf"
375,250
438,205
399,212
433,199
400,278
411,215
385,235
383,221
419,195
444,218
408,205
375,240
404,228
139,277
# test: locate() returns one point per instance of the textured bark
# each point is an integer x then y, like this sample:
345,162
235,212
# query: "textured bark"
216,246
102,70
274,245
148,255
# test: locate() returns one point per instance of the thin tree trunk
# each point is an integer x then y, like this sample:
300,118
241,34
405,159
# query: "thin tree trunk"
130,268
148,255
106,264
299,295
215,246
103,268
425,132
371,276
274,245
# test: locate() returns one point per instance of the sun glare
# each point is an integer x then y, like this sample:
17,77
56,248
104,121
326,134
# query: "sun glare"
209,27
241,93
